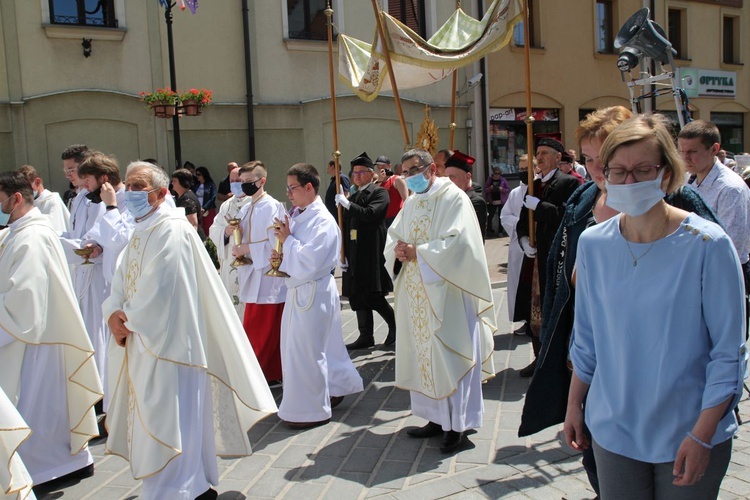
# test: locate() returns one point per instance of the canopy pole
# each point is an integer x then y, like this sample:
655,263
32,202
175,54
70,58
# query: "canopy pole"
391,75
529,120
453,100
453,109
334,125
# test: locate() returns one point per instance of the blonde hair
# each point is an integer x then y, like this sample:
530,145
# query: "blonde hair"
654,128
254,166
600,123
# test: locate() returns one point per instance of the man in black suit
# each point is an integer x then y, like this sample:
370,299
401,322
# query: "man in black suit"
365,280
551,192
459,168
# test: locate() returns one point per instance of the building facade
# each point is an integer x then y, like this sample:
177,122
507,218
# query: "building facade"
574,69
53,95
71,71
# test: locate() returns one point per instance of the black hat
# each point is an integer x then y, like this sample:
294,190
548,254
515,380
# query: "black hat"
362,160
383,159
566,158
460,160
551,143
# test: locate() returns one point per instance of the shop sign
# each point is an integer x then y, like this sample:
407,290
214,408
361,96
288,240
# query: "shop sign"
519,115
708,83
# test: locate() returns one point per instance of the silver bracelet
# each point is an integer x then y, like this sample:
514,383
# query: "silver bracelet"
702,443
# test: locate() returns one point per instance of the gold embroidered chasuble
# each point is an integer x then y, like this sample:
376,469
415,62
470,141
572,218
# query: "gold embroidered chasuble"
180,315
434,349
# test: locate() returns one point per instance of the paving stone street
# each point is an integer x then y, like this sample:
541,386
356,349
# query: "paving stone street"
364,451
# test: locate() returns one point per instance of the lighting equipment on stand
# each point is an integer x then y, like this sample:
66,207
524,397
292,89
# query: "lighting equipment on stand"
641,37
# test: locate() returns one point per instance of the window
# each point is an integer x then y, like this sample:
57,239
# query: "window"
731,39
518,35
83,12
307,19
677,31
411,13
604,27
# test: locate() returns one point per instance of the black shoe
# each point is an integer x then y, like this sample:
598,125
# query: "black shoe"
335,401
451,441
429,430
361,343
209,494
528,371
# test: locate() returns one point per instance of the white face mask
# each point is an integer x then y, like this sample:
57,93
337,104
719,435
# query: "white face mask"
637,198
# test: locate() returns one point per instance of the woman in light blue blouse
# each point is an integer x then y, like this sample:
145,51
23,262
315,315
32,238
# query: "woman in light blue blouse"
658,334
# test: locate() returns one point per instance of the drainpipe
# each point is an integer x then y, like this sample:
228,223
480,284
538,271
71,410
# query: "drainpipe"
248,82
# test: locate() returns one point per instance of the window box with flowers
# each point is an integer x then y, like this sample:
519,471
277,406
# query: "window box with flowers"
194,100
162,101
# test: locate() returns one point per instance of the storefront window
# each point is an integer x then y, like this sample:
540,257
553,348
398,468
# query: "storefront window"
508,134
731,129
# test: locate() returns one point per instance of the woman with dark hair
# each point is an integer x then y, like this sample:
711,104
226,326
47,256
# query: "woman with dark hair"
182,179
206,192
658,348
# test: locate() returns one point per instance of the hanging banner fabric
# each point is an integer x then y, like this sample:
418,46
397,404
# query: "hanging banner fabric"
417,62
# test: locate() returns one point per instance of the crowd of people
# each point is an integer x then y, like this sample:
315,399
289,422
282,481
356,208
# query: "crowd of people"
632,286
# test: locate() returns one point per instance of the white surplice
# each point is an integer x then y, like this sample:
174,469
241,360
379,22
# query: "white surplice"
47,358
88,279
444,299
52,205
188,352
230,208
314,359
112,232
15,480
257,232
509,216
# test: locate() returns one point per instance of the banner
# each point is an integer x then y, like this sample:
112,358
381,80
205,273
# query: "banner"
417,62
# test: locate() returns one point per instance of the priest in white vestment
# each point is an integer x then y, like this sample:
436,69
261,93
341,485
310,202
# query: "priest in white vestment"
262,295
509,216
184,385
49,203
47,358
318,371
444,298
222,234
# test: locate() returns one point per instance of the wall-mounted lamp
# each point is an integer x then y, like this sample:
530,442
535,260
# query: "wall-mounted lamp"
86,44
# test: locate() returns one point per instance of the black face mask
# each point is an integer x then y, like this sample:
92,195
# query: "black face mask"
524,177
250,188
95,196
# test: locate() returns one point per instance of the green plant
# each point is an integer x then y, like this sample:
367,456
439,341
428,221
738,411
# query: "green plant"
202,97
160,96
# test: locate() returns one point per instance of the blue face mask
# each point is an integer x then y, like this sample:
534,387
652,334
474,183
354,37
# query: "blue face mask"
236,188
137,203
4,218
417,183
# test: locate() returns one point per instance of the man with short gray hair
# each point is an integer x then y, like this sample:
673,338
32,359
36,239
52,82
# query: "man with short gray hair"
179,361
444,301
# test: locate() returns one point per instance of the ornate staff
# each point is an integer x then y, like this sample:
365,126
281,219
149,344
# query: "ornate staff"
334,124
529,119
391,75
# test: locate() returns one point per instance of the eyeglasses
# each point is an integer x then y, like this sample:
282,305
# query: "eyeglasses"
416,170
361,172
290,189
618,175
70,170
